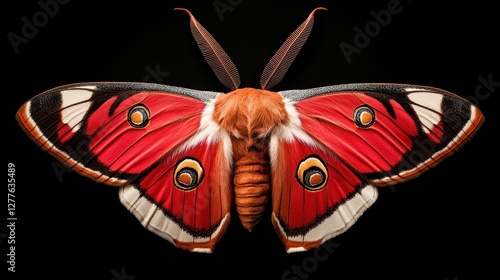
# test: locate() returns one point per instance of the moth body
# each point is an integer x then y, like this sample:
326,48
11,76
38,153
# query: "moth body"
251,187
249,115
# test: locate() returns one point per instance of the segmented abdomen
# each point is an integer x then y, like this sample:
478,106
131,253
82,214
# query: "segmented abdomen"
251,187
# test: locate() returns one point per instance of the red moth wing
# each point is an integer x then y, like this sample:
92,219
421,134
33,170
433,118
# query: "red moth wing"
411,128
88,126
315,195
343,141
130,135
185,198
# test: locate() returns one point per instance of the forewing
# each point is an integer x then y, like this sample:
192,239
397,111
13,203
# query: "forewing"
87,126
413,127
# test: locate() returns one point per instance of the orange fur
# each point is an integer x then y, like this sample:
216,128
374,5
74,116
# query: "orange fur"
248,114
223,179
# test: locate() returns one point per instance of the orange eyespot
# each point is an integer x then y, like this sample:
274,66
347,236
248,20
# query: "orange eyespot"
364,116
312,173
188,174
138,116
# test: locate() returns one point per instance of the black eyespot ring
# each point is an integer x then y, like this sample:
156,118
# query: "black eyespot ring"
364,116
188,174
312,173
138,116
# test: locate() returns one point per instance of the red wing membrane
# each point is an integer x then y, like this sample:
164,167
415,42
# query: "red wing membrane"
183,198
413,127
315,195
87,126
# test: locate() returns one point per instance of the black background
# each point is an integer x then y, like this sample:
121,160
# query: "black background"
438,226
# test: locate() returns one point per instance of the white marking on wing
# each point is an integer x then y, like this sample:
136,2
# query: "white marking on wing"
210,132
341,219
153,218
74,106
428,108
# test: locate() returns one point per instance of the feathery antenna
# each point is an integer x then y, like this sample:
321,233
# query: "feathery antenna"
219,61
278,65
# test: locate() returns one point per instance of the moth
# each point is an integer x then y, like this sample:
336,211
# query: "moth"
186,160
